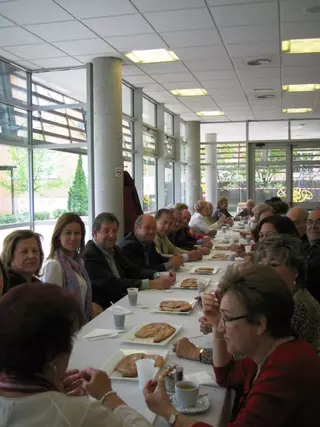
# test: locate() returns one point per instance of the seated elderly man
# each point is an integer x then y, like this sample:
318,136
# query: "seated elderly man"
299,217
180,237
164,220
110,272
198,222
140,249
313,260
246,212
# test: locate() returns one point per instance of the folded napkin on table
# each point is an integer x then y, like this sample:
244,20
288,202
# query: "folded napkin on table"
202,378
99,333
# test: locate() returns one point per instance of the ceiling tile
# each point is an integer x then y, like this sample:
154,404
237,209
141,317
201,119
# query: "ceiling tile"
179,20
175,77
27,65
16,36
302,72
254,72
251,33
262,49
258,83
8,56
5,23
190,117
209,64
124,25
222,84
245,14
84,47
181,85
131,70
300,60
97,8
201,52
298,30
228,2
215,75
61,31
25,12
139,80
137,42
64,61
35,51
226,92
207,37
293,11
154,87
158,6
164,68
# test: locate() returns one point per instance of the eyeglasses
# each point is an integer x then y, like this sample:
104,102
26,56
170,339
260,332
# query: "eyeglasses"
226,320
316,223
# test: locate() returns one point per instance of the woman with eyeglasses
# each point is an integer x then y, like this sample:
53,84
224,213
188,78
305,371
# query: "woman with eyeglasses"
279,374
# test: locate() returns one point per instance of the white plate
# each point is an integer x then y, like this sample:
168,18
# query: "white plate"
110,364
215,271
177,285
130,337
222,247
192,303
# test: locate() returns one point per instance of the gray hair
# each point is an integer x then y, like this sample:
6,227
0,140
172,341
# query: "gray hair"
284,248
260,208
201,204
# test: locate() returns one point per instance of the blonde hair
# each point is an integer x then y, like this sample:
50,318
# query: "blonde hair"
10,244
201,204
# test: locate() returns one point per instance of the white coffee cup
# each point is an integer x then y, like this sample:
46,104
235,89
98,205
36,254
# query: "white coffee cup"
186,393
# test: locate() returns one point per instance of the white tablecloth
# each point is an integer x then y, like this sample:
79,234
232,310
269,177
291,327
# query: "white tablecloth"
95,353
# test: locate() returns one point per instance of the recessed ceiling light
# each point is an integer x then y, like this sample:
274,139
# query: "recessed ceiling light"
297,110
259,61
301,88
189,92
151,56
301,46
210,113
266,96
264,89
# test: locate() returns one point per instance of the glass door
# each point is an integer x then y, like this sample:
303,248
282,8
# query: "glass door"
271,172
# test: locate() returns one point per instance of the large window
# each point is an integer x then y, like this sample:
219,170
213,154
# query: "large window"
149,184
127,100
168,184
306,175
13,124
168,123
149,112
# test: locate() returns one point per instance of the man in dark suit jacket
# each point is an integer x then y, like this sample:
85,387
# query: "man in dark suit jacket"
313,260
140,248
110,271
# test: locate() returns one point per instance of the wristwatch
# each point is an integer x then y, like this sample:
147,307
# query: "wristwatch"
156,275
173,418
201,352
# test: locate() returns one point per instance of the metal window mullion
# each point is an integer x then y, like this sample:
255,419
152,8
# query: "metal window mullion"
90,141
30,151
289,174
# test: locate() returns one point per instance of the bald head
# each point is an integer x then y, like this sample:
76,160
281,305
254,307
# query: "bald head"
145,228
313,226
299,217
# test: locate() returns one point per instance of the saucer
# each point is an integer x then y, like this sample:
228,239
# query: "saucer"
202,405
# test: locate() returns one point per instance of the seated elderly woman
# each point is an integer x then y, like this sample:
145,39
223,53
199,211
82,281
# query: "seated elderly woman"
22,256
222,211
3,279
38,324
279,374
282,252
198,222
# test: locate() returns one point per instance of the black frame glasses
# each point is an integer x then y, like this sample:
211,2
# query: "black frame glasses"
232,319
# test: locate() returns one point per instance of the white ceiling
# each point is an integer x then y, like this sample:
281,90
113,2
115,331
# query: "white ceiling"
214,39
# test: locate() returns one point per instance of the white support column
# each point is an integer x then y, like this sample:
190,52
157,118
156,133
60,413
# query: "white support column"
107,113
161,160
138,142
177,165
211,167
193,160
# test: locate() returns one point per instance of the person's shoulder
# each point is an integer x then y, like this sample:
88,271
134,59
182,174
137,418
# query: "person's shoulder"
297,357
51,262
129,241
91,250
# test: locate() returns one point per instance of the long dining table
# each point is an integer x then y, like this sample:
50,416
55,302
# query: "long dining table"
95,352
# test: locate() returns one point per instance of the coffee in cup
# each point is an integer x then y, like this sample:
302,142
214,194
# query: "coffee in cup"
186,393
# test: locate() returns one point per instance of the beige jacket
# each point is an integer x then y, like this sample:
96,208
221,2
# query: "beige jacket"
165,247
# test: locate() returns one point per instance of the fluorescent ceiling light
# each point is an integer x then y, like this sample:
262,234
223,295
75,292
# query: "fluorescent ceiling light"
189,92
152,55
296,110
301,88
210,113
301,46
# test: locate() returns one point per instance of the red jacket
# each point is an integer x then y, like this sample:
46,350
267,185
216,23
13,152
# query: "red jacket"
285,394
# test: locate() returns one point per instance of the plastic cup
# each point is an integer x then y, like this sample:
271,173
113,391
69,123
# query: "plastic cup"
133,296
119,320
224,228
201,287
247,249
146,371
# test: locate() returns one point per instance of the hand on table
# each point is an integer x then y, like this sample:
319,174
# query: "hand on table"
187,350
207,242
97,383
164,282
194,255
176,261
204,250
173,275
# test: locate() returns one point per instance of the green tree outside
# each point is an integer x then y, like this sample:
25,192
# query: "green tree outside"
78,192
